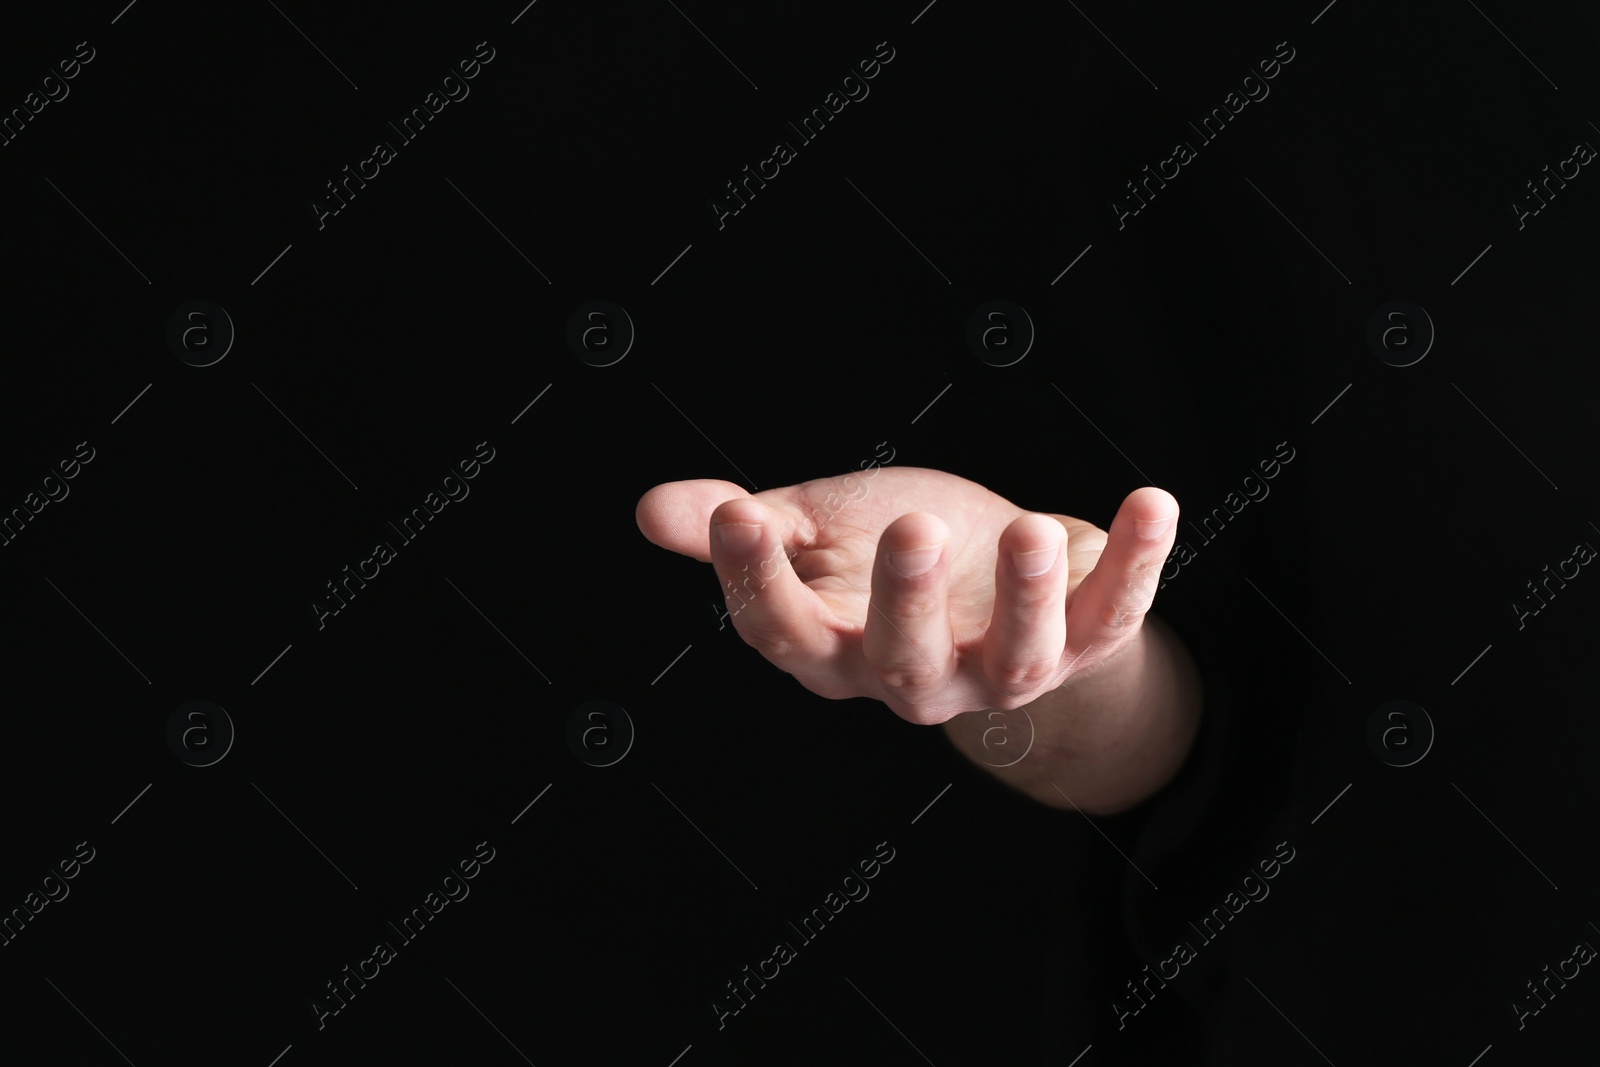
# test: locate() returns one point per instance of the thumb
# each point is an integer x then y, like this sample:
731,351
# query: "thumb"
677,515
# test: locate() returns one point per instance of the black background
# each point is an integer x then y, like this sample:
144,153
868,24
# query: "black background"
793,342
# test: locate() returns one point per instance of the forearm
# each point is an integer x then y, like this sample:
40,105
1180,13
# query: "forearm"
1108,739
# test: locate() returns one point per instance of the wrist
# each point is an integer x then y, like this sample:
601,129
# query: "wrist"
1105,740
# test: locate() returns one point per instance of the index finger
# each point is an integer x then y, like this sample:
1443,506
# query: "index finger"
774,611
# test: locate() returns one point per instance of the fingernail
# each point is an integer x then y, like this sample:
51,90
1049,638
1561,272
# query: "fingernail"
916,561
739,536
1154,530
1032,564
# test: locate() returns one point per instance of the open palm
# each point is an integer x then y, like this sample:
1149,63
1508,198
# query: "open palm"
914,586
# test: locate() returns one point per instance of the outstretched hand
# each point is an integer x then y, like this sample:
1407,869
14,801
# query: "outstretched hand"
926,591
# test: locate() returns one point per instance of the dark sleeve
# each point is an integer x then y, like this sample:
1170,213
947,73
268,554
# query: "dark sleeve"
1206,403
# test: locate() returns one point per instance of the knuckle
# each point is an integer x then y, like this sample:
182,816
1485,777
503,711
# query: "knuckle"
908,678
1144,564
1143,579
1119,616
914,604
1034,598
1019,680
780,650
770,638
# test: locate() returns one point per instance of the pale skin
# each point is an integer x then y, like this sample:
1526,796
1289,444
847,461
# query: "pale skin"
811,583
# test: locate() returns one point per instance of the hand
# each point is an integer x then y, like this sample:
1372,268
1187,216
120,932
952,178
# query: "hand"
918,589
